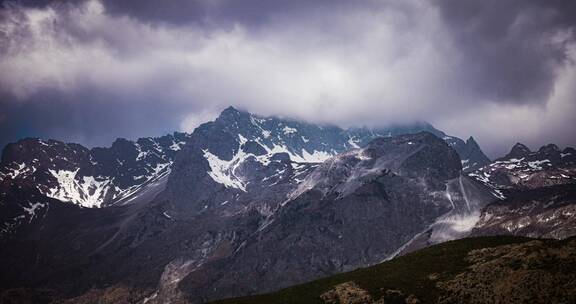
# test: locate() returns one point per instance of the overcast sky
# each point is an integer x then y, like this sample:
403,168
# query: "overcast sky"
90,71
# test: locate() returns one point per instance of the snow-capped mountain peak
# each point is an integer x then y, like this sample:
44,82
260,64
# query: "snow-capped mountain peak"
523,168
90,177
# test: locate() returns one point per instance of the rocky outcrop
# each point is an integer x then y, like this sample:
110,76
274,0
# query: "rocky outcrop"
348,292
351,293
532,272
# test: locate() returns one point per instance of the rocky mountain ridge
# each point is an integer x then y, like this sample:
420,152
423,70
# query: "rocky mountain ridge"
90,177
242,211
101,177
273,201
127,172
537,189
525,169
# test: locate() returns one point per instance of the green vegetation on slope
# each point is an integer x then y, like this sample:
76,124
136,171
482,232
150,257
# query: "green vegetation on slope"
415,274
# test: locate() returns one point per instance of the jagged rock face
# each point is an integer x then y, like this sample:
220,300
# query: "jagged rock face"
420,156
518,151
125,173
32,206
90,178
472,156
468,199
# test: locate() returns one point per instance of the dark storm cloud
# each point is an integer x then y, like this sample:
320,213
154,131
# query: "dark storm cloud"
139,68
510,48
214,13
87,117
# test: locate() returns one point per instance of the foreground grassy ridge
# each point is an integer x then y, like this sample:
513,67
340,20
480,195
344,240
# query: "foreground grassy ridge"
410,274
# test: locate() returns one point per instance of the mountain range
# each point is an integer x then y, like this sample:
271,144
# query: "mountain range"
248,204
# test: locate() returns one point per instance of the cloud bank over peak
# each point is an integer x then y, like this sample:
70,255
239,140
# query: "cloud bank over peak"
89,71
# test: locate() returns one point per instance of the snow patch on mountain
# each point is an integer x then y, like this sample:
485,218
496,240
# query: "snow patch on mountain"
316,156
18,170
222,171
287,130
86,191
353,143
32,209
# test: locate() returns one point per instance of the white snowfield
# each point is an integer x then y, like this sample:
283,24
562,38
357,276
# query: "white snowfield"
222,171
92,192
86,192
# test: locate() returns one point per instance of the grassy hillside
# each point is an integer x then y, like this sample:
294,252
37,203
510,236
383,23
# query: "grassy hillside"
443,272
